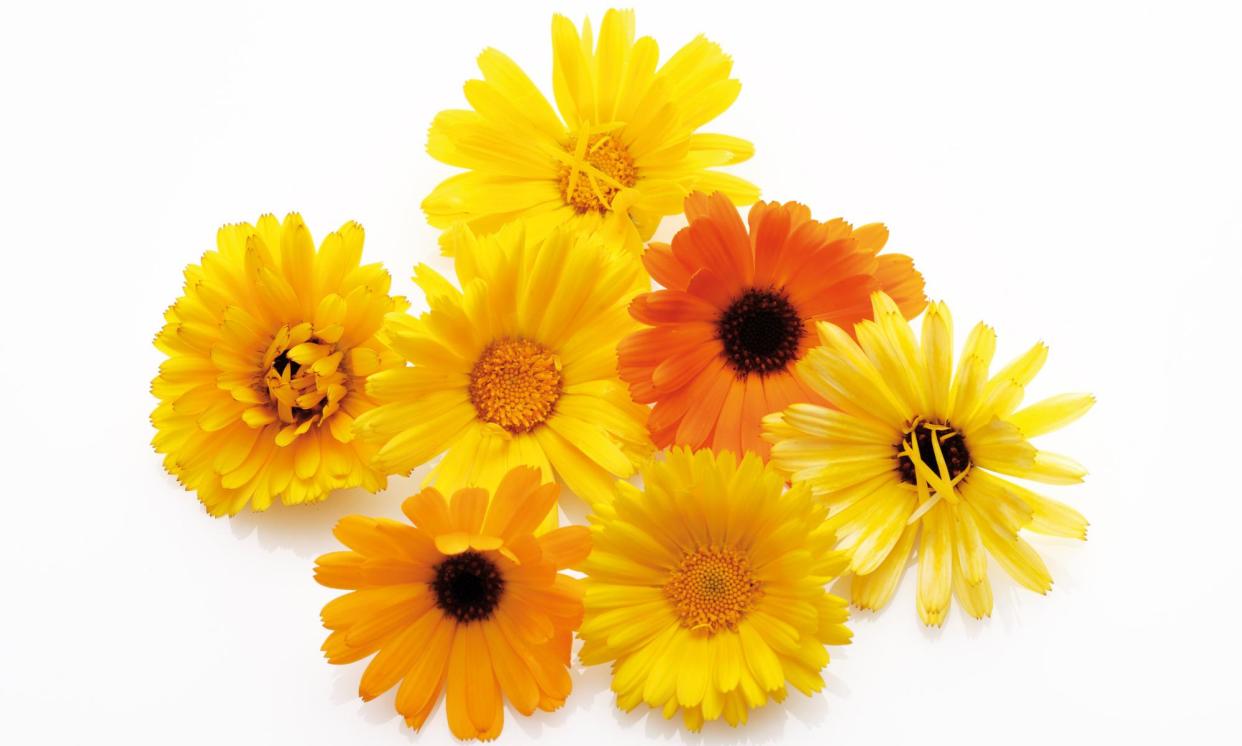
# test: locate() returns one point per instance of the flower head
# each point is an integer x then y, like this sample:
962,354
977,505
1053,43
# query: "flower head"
268,351
706,588
910,444
738,311
622,152
467,602
517,367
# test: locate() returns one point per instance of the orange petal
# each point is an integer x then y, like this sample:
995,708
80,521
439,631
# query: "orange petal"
680,368
397,658
512,493
566,546
769,227
709,285
727,436
424,680
664,267
836,297
467,509
708,396
429,511
671,307
754,408
483,693
902,282
871,237
513,674
458,692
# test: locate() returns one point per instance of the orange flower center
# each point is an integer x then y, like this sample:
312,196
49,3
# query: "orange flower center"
712,589
515,383
600,167
303,378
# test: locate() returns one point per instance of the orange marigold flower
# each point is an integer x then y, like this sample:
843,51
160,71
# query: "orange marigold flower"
468,604
738,311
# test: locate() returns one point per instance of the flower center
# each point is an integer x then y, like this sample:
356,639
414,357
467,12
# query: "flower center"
303,378
468,586
600,167
712,589
760,332
930,437
515,383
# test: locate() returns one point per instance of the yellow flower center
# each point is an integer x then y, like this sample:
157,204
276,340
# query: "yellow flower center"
712,589
600,167
515,383
303,377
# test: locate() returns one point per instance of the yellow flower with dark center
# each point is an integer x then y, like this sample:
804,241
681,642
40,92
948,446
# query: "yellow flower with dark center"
517,367
909,457
268,351
705,589
622,153
468,602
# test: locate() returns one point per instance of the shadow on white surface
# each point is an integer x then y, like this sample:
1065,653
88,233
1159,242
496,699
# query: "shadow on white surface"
306,530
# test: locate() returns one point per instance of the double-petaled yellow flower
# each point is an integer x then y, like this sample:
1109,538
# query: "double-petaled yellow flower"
268,352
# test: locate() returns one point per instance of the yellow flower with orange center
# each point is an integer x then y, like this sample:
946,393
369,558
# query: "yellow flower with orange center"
268,353
705,588
619,152
516,367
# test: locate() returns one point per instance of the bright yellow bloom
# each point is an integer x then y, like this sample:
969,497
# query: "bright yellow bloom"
911,444
268,351
468,602
518,367
706,588
622,154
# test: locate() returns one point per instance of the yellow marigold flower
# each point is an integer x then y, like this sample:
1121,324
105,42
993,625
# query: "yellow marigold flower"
910,443
517,367
623,152
267,351
706,588
468,602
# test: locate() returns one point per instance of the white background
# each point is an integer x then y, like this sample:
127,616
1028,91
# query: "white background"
1070,172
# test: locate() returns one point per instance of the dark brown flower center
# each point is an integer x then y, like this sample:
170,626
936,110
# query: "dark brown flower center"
468,586
952,448
760,332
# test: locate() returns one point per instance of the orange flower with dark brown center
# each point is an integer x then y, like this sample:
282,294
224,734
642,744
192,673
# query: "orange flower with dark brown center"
737,312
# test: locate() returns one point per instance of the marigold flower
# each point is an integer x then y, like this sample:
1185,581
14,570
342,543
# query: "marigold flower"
705,588
268,351
467,602
738,312
517,367
621,154
910,452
